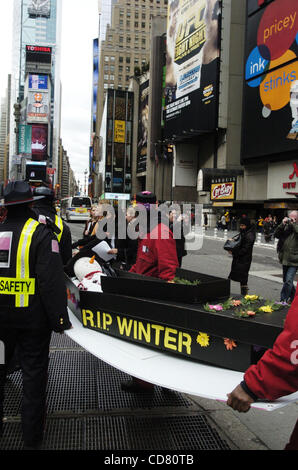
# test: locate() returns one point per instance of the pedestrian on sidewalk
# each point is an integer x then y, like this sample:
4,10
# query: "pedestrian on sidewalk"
287,249
275,375
242,255
32,276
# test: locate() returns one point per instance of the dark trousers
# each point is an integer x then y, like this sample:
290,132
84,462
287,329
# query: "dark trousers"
33,354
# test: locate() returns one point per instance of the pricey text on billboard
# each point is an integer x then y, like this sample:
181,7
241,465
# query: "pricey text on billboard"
270,101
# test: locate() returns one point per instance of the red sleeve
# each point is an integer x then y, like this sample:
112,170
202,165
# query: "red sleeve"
166,254
276,373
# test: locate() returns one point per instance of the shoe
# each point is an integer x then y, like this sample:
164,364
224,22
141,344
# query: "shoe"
133,386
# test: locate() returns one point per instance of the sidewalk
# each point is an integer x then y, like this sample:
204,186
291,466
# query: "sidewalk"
222,235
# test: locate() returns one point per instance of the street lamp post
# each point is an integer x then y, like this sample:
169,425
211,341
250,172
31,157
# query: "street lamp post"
85,181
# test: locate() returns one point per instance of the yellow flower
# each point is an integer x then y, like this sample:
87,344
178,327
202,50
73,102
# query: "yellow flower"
251,297
203,339
266,308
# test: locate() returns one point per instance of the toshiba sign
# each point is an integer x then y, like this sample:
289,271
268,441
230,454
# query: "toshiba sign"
39,49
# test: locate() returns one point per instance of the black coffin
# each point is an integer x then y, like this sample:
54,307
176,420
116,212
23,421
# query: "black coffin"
186,330
136,285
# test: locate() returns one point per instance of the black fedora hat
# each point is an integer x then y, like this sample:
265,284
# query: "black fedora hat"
17,192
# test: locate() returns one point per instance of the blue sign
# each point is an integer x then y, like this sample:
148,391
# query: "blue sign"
38,82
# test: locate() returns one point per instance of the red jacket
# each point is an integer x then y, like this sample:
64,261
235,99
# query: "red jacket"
276,373
157,256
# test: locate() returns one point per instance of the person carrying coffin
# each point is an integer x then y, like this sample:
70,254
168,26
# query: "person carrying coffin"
33,303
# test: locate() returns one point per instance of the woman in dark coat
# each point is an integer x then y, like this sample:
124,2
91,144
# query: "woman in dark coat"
242,255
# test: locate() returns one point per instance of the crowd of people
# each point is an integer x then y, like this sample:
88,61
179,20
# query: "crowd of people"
35,244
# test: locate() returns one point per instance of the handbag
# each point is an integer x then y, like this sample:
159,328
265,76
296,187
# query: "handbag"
232,243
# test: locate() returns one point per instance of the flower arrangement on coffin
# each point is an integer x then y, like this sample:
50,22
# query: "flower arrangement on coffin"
213,307
203,339
271,306
250,299
230,344
245,313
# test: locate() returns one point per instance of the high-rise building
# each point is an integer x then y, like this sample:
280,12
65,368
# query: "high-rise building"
36,75
126,45
124,49
4,130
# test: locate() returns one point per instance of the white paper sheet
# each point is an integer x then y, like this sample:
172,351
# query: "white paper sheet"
102,251
162,369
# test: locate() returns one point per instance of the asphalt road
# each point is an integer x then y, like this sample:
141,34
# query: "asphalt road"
255,430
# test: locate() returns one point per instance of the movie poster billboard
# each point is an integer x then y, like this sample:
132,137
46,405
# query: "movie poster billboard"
192,63
143,126
270,97
39,142
38,106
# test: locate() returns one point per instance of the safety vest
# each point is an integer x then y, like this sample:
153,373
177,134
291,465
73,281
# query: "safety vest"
59,224
22,285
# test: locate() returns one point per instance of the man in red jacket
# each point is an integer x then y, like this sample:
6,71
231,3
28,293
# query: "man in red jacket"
156,257
157,254
275,375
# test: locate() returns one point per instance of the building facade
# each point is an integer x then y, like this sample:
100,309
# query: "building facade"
36,77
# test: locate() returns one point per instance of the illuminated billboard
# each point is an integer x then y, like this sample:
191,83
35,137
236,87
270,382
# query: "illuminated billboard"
39,142
270,97
192,63
143,126
39,8
38,82
38,106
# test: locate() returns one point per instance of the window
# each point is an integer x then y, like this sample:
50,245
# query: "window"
112,59
112,77
136,61
112,68
127,68
120,69
106,77
127,78
106,68
120,38
128,60
143,25
136,24
120,59
105,85
106,58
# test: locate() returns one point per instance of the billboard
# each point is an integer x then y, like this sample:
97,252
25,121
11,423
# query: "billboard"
38,8
192,62
222,191
39,142
38,82
38,106
95,79
270,97
143,126
25,139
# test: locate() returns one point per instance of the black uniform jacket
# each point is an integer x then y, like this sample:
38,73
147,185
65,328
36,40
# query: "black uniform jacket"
47,307
40,208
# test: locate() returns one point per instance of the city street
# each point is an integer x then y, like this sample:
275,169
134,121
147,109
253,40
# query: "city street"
256,429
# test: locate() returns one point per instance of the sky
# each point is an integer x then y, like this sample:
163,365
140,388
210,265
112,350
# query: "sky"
79,28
